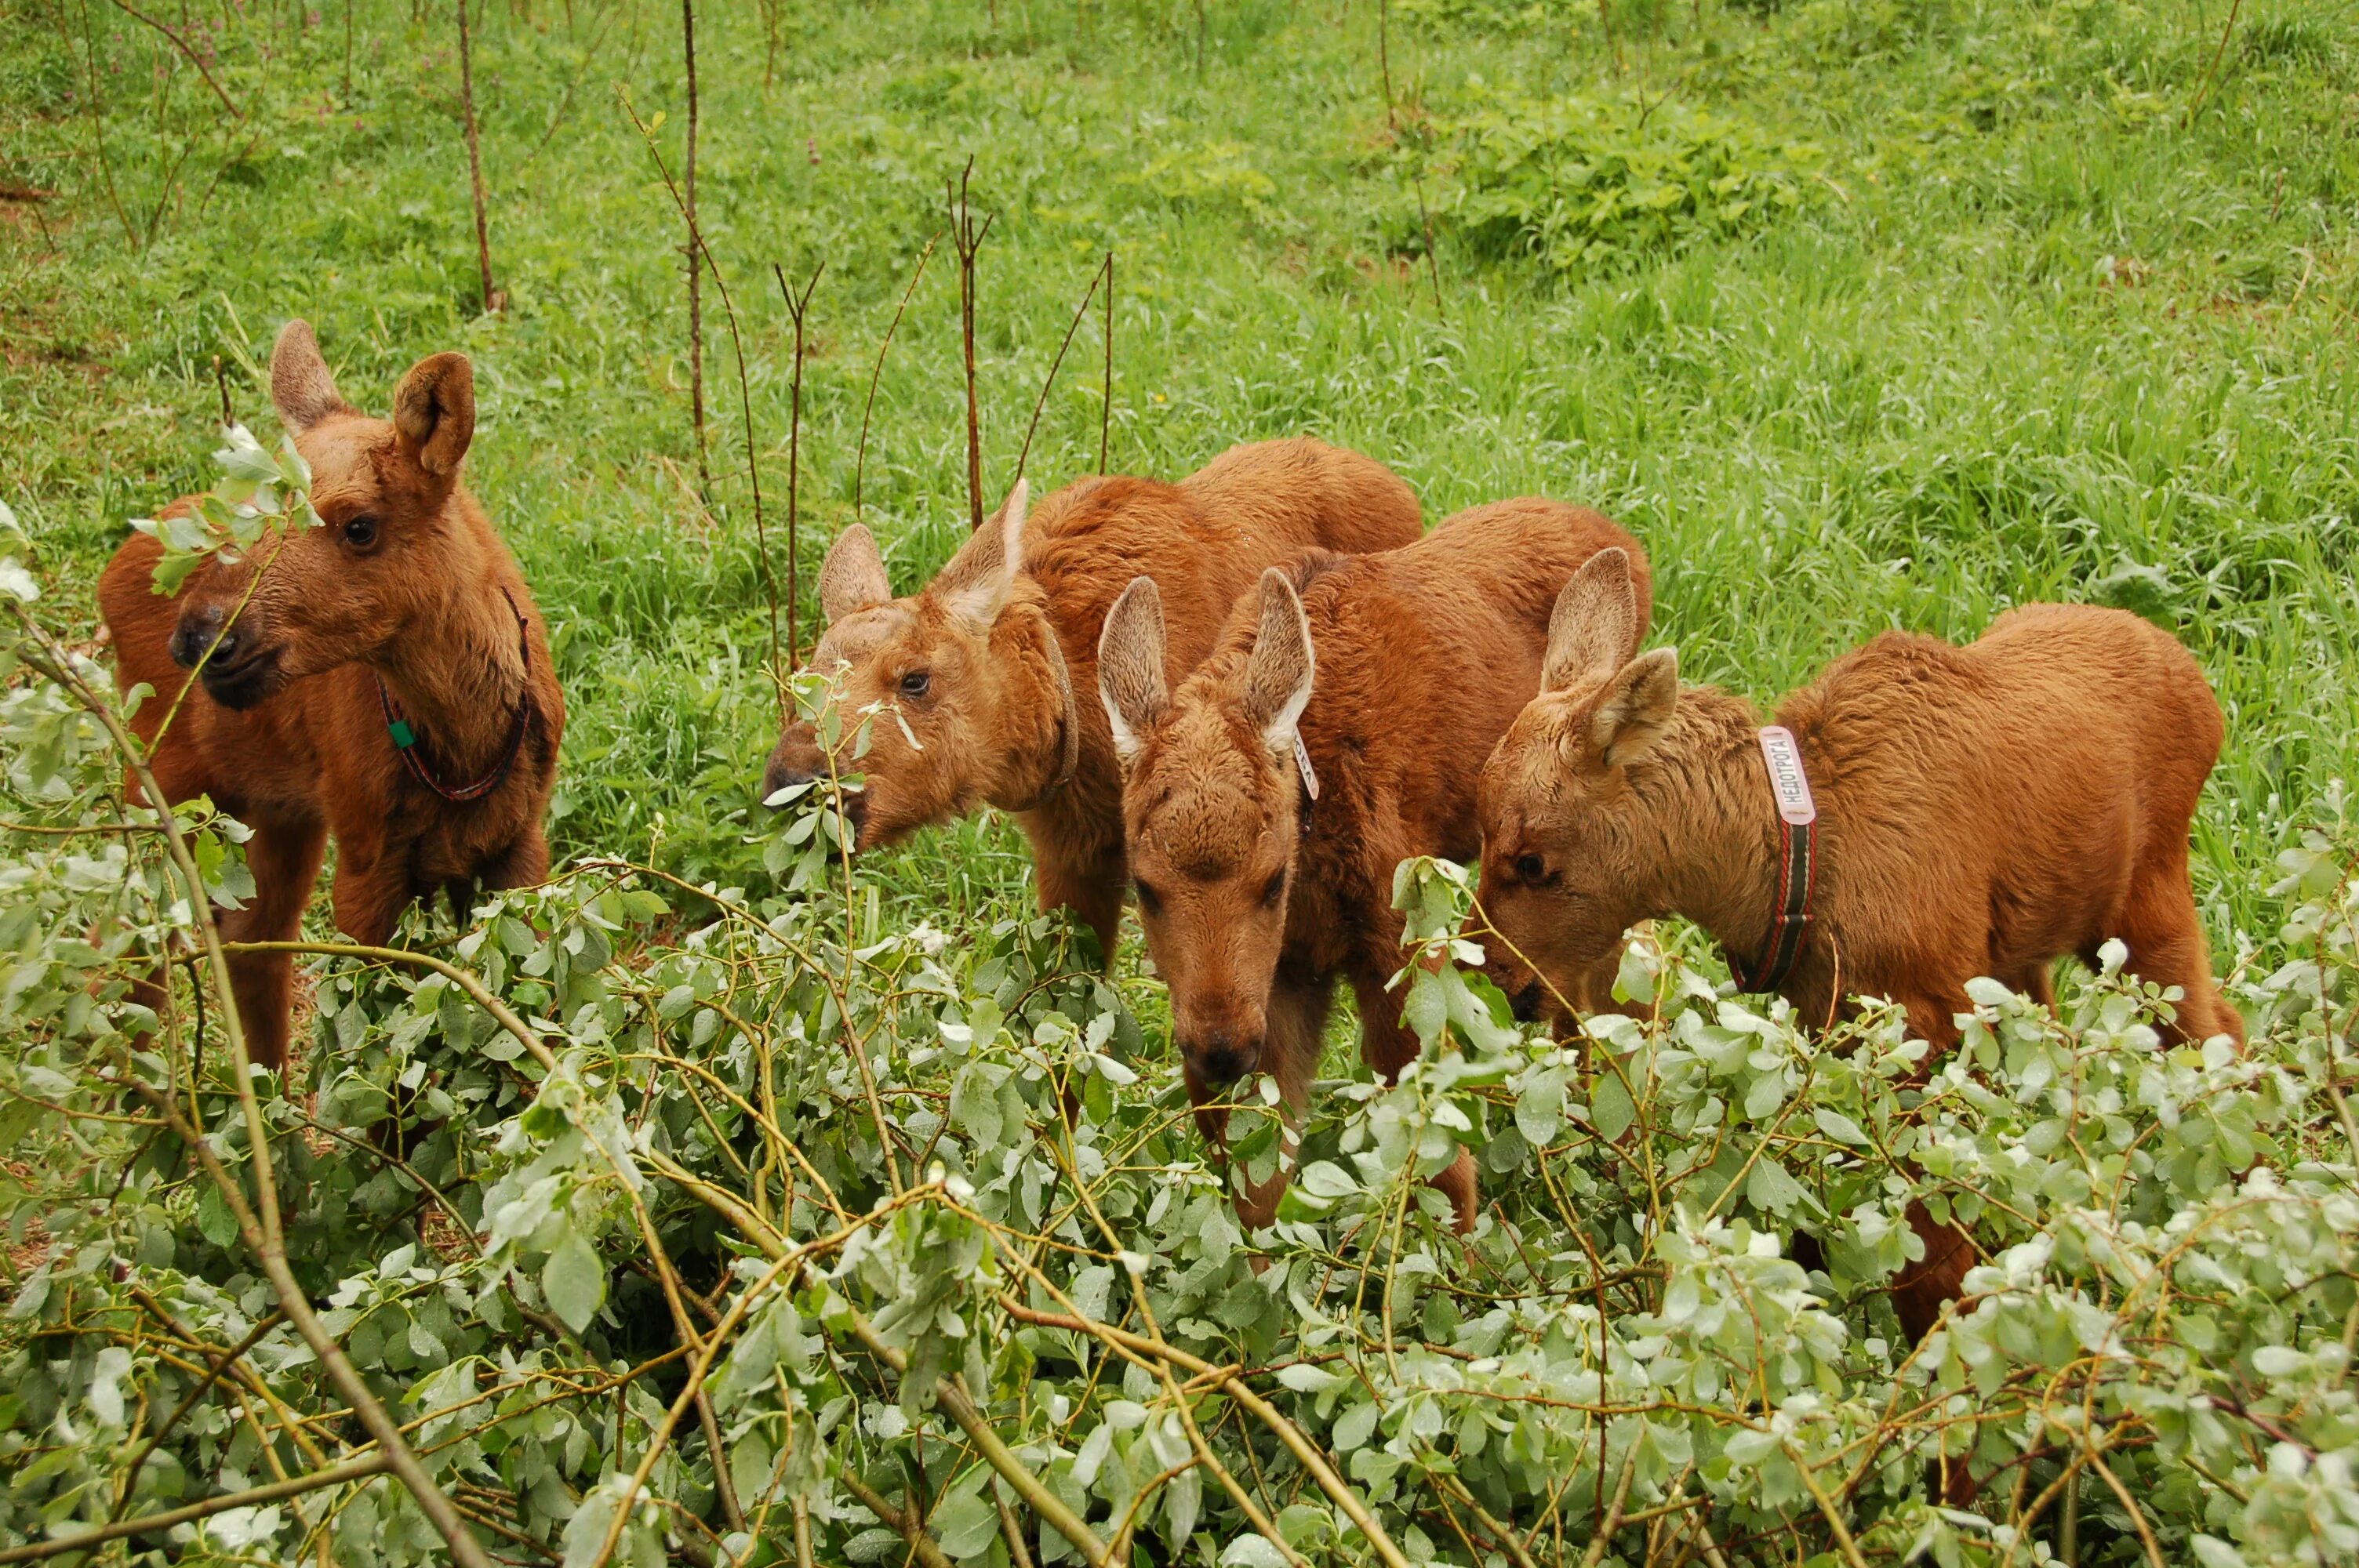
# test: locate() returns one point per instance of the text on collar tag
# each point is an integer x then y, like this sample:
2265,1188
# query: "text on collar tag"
1302,760
1786,780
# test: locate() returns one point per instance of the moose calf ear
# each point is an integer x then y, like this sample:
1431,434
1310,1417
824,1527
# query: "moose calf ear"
301,388
1130,666
1278,672
853,576
1594,628
434,411
1635,707
982,575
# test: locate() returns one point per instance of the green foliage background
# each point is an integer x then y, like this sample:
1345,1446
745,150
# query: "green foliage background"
1859,312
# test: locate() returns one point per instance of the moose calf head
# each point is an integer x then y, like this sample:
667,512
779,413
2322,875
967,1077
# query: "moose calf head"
394,545
927,656
1579,838
1210,814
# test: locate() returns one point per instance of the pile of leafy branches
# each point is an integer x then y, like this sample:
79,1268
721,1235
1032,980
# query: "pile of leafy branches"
640,1223
1583,184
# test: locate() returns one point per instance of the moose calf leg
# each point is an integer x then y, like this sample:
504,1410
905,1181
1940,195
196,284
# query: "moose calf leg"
2165,934
284,858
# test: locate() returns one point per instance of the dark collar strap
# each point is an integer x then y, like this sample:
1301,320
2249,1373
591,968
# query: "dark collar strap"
405,738
1069,723
1798,865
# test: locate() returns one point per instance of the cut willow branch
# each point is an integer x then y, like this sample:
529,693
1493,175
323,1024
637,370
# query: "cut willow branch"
294,1486
907,1528
259,1230
1305,1452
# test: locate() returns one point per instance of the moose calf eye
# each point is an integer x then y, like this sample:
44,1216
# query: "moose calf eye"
1530,868
1274,889
1149,901
361,531
916,684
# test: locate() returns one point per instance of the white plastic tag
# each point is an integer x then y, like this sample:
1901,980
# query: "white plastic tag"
1302,760
1786,780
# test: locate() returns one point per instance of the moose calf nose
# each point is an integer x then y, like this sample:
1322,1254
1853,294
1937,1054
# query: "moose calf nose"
200,629
1526,1003
781,775
1220,1058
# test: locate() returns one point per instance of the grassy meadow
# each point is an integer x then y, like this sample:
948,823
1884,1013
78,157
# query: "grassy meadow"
2062,306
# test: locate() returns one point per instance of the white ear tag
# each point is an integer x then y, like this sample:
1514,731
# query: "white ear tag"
1302,761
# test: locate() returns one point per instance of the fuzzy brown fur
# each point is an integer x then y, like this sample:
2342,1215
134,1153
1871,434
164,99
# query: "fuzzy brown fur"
284,729
997,662
1397,671
1983,810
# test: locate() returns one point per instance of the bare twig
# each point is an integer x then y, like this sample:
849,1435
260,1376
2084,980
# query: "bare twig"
475,160
798,306
967,239
1432,252
860,463
703,256
1042,403
186,53
695,246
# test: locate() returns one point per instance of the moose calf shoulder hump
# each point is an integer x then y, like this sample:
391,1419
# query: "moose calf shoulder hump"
383,678
990,667
1335,730
1980,810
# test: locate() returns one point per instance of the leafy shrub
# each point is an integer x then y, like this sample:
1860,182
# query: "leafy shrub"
775,1236
1583,184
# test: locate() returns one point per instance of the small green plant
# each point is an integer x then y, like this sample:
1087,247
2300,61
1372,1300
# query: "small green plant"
1583,185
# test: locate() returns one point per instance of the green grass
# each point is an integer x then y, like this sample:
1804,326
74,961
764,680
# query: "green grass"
2069,314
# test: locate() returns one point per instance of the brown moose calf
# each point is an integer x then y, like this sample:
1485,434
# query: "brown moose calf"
985,662
384,678
1257,889
1982,810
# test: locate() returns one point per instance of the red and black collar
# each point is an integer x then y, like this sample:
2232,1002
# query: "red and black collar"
1798,865
405,737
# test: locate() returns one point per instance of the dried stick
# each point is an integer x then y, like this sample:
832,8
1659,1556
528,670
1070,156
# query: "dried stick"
695,273
799,308
475,160
1042,403
860,464
967,239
